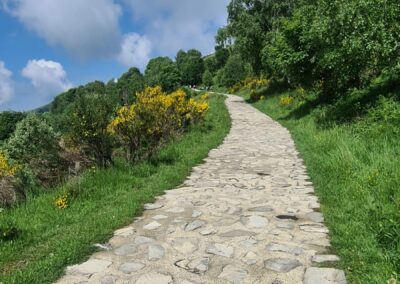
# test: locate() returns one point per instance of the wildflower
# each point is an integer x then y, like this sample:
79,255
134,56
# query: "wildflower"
61,202
285,100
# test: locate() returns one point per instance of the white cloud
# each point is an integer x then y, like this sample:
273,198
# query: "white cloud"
135,50
174,24
86,29
6,84
48,77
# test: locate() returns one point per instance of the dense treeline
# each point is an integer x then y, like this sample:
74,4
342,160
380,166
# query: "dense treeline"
331,46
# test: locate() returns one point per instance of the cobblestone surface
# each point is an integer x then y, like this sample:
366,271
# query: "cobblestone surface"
247,215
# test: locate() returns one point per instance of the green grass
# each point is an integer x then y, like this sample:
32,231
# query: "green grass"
108,199
355,168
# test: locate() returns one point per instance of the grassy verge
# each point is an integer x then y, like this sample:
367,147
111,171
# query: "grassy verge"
108,199
355,170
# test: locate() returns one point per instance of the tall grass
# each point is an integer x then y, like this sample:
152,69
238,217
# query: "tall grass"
101,201
355,168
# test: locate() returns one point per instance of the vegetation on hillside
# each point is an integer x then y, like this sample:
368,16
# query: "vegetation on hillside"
60,227
329,70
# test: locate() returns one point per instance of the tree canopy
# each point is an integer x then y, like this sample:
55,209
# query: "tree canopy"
191,66
162,71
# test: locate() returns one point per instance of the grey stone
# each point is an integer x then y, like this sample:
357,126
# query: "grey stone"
89,267
194,225
237,233
125,250
109,279
183,245
196,214
315,275
233,275
154,278
176,210
314,228
160,217
152,226
139,240
130,267
288,226
220,249
261,209
207,232
325,258
284,248
281,264
250,258
199,265
153,206
256,221
156,252
315,217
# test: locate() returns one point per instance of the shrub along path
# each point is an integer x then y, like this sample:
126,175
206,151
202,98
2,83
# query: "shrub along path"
247,215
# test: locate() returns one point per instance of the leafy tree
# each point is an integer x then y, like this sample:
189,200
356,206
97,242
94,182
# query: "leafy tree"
233,72
207,79
336,45
164,72
8,122
211,64
191,66
250,21
221,56
129,84
88,118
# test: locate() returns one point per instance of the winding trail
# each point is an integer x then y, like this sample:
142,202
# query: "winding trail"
247,215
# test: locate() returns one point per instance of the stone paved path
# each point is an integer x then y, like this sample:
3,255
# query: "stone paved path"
247,215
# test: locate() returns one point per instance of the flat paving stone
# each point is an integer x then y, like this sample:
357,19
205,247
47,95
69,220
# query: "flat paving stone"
89,267
153,278
237,233
126,250
233,275
325,258
194,225
246,215
316,275
220,249
281,264
130,267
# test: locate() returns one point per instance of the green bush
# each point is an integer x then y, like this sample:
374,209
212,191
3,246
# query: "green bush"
88,118
34,145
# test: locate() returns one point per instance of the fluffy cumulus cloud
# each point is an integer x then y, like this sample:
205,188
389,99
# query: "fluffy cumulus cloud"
84,28
6,84
48,77
174,24
135,50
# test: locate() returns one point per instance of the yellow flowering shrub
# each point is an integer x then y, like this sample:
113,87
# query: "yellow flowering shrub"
153,118
250,83
285,101
6,168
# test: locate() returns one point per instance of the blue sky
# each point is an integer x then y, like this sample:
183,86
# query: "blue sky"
48,46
